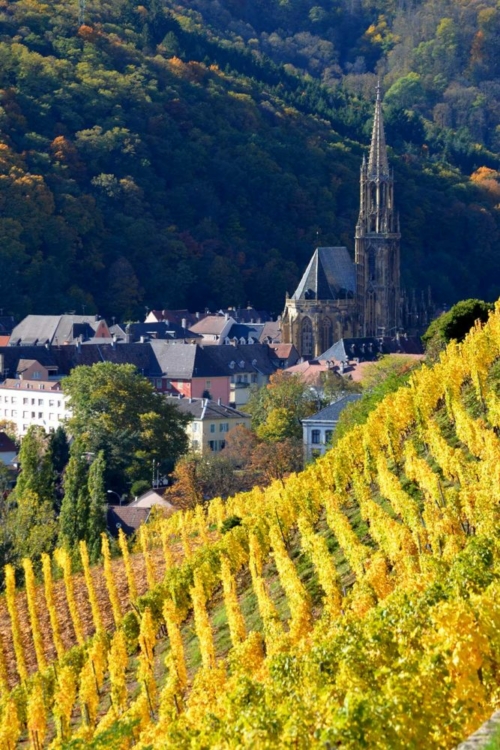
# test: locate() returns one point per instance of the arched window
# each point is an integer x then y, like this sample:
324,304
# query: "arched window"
306,338
326,334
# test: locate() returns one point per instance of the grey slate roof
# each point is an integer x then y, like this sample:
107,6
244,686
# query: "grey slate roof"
369,348
183,361
330,275
204,408
124,517
154,359
246,331
161,330
331,413
51,329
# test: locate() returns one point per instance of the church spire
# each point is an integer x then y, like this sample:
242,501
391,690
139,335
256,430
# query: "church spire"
378,165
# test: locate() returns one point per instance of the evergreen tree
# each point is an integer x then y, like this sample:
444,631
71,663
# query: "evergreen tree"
37,472
97,506
75,505
59,448
34,526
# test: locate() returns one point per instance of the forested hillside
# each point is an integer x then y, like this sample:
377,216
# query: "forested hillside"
171,154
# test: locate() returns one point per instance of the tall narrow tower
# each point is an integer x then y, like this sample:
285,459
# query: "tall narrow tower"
377,240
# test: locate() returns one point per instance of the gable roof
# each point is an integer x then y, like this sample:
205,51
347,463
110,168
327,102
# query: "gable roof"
205,408
213,325
331,413
272,331
126,518
160,330
329,275
51,329
184,361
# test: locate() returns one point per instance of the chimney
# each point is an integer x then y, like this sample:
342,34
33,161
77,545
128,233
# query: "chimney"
142,340
219,401
78,346
2,364
113,343
184,323
197,315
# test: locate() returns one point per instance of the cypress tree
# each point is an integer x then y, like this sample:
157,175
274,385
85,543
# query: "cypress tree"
97,506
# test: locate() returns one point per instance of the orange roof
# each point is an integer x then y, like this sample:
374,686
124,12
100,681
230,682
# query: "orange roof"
4,340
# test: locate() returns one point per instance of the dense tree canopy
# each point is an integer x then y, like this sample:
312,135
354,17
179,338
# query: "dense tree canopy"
173,154
117,411
454,324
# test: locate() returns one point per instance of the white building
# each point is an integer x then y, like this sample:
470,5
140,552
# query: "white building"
32,398
317,431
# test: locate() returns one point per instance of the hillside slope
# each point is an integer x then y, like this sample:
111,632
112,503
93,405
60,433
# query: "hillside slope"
356,604
147,161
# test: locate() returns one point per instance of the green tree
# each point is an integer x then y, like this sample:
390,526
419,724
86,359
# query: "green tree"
97,506
59,448
34,526
455,324
37,472
117,411
74,516
278,407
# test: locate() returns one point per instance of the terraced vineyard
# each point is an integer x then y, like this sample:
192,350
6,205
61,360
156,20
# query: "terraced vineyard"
355,605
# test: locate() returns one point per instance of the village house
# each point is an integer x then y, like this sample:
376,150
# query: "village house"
210,424
317,430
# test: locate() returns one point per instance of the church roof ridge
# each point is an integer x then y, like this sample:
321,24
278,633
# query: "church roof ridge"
330,274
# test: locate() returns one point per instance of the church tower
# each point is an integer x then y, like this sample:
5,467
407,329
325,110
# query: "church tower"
377,241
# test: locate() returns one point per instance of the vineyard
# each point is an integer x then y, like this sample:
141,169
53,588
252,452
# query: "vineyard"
356,605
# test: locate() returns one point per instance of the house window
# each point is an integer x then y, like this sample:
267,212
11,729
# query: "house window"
14,413
51,417
208,384
213,445
195,427
328,437
26,400
32,402
40,415
159,383
224,427
212,427
37,375
33,414
51,403
40,402
26,414
196,445
254,378
315,437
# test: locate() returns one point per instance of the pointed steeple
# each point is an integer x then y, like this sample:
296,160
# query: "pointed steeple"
378,165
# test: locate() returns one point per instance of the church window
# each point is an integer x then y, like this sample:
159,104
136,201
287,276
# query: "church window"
307,338
371,264
326,334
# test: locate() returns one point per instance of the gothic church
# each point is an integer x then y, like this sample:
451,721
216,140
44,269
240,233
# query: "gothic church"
337,298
